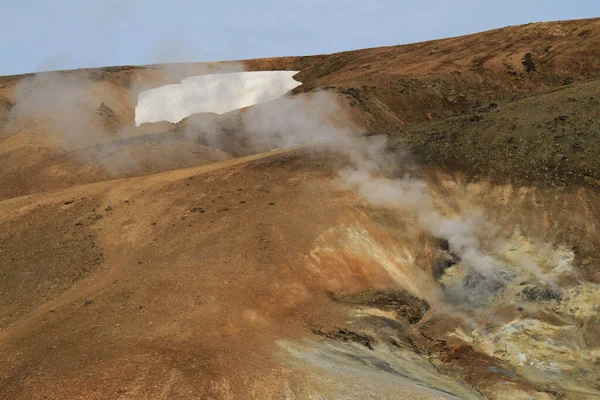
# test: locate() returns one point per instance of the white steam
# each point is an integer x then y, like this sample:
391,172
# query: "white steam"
74,108
66,105
411,195
312,119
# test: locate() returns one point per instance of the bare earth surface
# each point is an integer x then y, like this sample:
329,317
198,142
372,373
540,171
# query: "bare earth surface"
153,263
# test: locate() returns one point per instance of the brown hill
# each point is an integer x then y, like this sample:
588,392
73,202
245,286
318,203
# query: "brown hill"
386,88
190,261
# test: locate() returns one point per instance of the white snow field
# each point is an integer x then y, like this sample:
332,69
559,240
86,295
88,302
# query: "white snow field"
215,93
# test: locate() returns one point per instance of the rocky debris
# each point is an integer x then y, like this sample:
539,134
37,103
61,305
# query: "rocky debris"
567,81
457,356
586,262
528,62
346,335
405,304
487,371
561,118
445,260
580,302
473,288
106,111
108,208
352,92
540,293
198,210
543,351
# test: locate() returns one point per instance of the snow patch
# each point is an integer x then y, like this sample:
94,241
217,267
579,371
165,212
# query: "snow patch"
215,93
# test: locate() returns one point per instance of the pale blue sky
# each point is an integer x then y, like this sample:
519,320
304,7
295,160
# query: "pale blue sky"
63,34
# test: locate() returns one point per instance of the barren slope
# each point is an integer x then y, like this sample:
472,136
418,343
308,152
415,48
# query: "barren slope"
386,88
163,262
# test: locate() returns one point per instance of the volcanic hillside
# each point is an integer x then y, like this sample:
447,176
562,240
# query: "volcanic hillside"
415,221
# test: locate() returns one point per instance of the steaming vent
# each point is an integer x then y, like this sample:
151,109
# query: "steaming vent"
214,93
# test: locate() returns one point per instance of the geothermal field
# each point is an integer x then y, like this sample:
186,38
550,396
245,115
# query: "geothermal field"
416,221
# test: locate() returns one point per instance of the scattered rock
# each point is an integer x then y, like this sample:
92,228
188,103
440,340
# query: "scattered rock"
106,111
586,262
346,335
87,302
445,261
405,304
69,202
540,293
529,62
476,289
108,208
475,279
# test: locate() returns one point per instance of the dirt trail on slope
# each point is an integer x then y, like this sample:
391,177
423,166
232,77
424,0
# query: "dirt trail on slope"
113,264
213,277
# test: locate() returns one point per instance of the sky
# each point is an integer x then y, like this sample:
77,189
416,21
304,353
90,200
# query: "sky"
41,35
